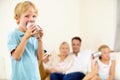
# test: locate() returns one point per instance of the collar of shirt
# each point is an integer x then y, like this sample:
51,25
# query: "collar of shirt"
20,33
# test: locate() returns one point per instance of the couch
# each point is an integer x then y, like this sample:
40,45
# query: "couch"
114,55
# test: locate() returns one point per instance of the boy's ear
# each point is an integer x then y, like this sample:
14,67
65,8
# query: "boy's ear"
17,19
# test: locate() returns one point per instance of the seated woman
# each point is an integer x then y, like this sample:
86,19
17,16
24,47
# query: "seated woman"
59,63
104,67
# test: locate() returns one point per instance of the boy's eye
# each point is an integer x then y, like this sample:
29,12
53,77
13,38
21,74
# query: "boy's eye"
27,16
34,16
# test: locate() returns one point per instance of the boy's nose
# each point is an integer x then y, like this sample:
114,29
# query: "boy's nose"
31,19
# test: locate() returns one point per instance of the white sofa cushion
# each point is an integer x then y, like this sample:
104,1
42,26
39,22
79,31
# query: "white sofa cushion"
2,68
116,57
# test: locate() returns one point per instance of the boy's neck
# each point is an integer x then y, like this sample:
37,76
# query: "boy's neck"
21,29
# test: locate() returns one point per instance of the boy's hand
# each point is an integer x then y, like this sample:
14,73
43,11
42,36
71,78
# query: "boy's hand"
39,33
30,31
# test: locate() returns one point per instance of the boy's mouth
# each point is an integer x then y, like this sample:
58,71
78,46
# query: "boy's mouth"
29,23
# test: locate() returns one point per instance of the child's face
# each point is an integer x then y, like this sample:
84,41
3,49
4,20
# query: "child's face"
105,53
28,16
64,50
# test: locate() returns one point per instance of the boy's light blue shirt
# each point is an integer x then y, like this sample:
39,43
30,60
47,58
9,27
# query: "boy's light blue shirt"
27,67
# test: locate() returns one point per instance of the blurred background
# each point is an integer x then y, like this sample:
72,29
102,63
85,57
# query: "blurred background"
94,21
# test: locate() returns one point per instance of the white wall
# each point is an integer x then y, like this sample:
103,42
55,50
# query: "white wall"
93,20
98,23
60,20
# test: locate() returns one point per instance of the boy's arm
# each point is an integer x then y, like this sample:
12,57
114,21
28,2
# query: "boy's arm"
40,51
17,53
19,50
112,70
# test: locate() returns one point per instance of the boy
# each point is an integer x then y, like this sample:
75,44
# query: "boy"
25,48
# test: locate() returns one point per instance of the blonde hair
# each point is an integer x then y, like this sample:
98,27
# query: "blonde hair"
64,43
22,7
102,47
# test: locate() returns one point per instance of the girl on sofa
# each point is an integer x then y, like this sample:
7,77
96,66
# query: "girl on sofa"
104,67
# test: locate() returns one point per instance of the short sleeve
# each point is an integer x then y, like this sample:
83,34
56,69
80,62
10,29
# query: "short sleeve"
12,42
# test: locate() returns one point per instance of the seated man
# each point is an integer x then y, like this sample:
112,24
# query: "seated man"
80,64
